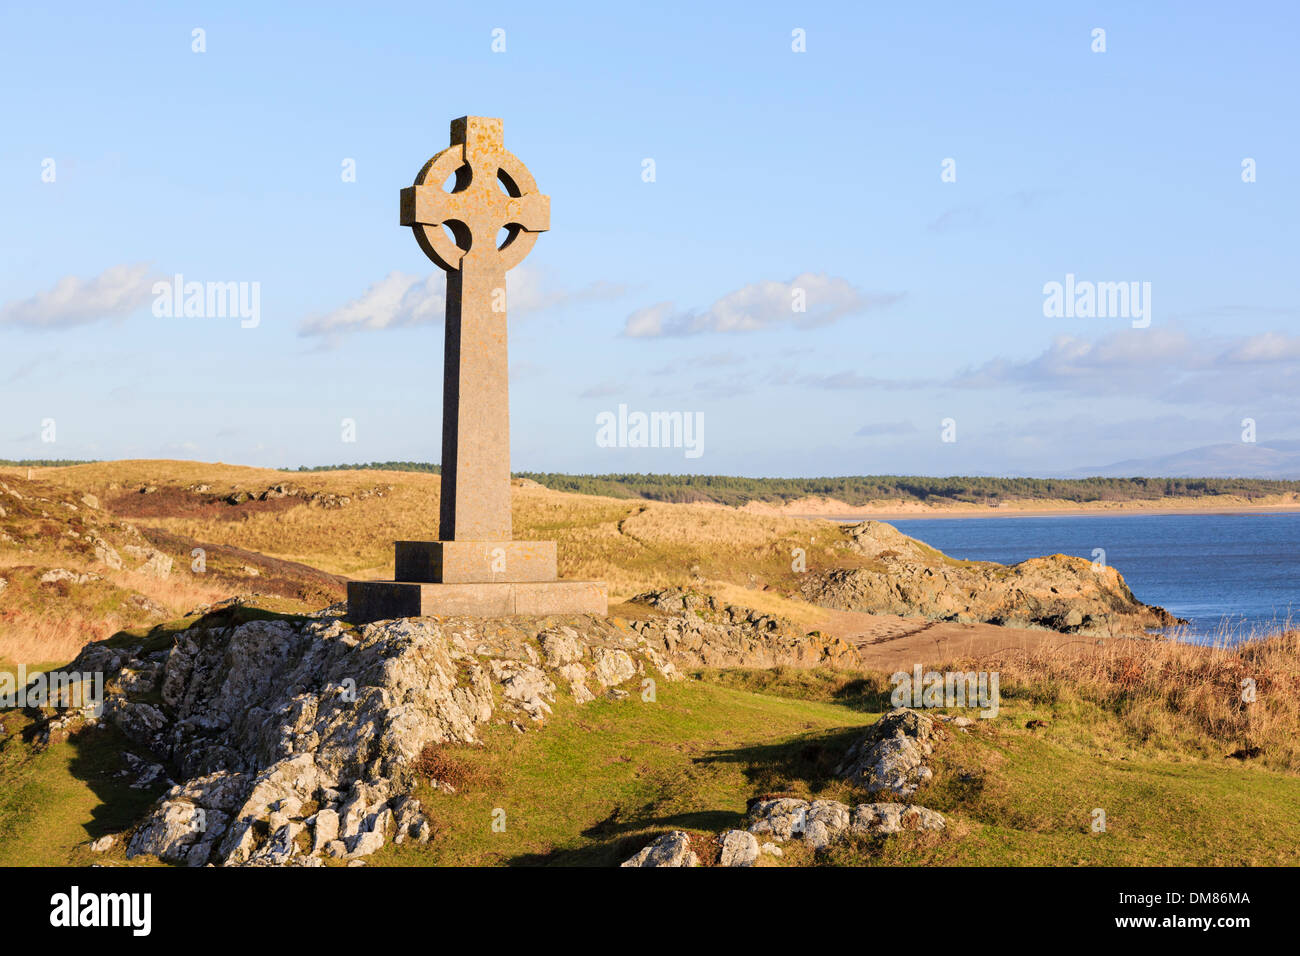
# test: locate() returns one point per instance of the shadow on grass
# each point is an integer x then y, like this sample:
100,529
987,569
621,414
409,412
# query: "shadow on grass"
42,780
868,694
803,766
615,849
96,761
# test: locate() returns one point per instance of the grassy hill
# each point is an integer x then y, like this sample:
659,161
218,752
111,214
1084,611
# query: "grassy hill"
1144,736
293,538
1012,794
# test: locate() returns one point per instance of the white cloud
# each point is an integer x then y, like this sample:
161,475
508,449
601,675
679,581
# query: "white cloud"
1126,356
1264,348
529,292
1163,362
117,291
399,300
649,321
760,305
396,300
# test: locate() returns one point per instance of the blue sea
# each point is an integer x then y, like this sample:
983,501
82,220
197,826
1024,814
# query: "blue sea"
1231,575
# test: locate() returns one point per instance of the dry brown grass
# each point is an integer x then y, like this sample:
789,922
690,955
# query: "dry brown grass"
50,628
447,764
49,640
632,545
1180,697
178,593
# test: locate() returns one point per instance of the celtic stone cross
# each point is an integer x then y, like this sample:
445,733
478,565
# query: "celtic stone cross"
475,567
493,192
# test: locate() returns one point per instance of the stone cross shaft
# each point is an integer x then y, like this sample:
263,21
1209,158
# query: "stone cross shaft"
476,567
493,191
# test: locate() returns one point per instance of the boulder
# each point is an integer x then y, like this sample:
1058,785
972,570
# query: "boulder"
671,849
822,822
739,848
173,829
103,844
890,758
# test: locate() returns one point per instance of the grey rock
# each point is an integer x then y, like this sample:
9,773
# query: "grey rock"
671,849
822,822
325,830
739,848
104,843
890,758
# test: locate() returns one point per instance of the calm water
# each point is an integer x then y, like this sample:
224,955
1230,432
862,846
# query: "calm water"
1227,574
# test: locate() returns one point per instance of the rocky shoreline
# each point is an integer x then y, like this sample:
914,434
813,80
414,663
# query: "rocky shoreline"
900,575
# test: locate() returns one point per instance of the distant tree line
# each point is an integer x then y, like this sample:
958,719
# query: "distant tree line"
43,462
423,466
730,490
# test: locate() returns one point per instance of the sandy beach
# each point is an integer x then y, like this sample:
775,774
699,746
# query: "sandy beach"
827,509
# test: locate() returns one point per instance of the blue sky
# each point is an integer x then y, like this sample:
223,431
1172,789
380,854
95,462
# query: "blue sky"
775,170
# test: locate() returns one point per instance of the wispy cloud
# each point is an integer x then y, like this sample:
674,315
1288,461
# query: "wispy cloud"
1073,363
1163,362
602,390
805,301
115,292
1266,348
396,300
399,300
33,363
849,380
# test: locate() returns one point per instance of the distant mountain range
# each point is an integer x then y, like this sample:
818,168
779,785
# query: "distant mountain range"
1277,459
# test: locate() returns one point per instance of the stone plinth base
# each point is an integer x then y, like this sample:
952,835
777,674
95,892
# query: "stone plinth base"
475,562
383,600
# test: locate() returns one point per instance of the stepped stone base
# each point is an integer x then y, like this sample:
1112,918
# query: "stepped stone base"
466,562
384,600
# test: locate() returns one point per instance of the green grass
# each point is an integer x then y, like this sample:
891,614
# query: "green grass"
54,801
1020,797
599,781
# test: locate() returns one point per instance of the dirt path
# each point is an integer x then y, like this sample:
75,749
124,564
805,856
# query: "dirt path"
889,642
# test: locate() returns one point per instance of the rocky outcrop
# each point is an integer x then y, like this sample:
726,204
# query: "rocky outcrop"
152,562
698,630
901,575
822,822
293,740
671,849
289,741
891,757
